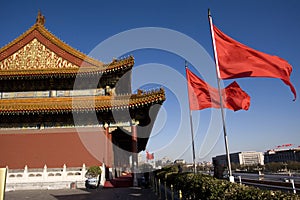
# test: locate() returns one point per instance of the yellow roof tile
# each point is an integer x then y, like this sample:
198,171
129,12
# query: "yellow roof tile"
69,104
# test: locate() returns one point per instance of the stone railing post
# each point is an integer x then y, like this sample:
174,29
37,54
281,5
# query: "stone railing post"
64,172
45,175
83,171
293,186
102,175
3,175
159,189
156,186
172,192
166,193
180,194
25,173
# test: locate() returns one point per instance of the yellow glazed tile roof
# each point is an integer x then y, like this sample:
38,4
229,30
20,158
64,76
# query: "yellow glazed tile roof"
80,103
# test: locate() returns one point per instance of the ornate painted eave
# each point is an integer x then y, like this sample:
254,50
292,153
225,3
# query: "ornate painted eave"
50,105
115,66
38,52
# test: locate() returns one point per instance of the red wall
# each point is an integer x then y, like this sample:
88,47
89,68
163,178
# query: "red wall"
53,147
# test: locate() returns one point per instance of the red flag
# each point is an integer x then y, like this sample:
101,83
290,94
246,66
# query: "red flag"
202,95
149,156
237,60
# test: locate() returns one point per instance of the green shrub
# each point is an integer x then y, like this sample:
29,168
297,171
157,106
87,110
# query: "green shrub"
171,178
200,186
93,171
161,174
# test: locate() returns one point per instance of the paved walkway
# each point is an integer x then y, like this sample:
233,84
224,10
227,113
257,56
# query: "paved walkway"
132,193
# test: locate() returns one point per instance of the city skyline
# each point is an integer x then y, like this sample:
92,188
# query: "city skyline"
271,27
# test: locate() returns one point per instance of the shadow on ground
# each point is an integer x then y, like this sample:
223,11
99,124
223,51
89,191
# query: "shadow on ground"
109,194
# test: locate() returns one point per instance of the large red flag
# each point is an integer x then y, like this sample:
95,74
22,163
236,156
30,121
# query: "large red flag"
202,95
237,60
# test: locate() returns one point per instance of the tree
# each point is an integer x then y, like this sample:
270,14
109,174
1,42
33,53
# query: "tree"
274,166
93,171
146,167
293,165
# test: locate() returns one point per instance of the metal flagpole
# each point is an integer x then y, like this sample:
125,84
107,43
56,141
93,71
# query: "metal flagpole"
231,178
192,131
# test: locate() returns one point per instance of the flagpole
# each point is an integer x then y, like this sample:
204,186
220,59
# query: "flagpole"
192,131
231,178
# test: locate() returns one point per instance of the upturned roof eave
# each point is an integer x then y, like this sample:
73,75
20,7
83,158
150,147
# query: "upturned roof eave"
79,104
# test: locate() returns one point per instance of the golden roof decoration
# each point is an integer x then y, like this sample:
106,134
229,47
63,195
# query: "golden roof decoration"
48,39
122,64
38,50
40,19
35,56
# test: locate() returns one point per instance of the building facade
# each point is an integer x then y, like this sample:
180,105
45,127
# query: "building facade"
60,107
286,155
241,158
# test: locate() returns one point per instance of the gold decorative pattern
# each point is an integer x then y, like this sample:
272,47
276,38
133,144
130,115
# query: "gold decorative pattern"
113,67
35,55
39,29
88,65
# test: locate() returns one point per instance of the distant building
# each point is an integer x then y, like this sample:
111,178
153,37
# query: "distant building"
205,165
282,155
179,161
241,158
163,162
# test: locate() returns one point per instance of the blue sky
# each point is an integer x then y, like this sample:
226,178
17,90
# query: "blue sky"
269,26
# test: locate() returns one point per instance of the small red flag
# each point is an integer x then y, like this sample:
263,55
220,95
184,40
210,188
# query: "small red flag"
237,60
149,156
202,95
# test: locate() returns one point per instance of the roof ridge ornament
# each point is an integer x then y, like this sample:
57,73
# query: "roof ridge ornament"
40,19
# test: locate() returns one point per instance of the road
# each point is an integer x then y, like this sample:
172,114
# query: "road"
132,193
270,181
268,177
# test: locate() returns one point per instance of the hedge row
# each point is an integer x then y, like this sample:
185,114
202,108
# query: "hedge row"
200,186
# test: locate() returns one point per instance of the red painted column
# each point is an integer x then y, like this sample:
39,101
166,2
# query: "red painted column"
134,138
106,151
134,152
106,144
110,150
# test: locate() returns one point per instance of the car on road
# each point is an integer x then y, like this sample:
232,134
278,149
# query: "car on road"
91,183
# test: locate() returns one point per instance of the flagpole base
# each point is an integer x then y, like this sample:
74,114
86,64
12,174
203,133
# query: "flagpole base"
231,179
